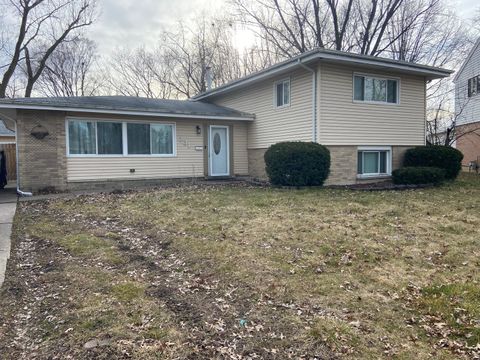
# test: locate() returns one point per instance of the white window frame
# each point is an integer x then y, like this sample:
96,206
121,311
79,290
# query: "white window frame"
378,149
124,138
275,84
378,77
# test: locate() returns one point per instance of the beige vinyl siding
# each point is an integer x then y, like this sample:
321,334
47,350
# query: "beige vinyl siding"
345,122
188,161
467,108
240,153
272,124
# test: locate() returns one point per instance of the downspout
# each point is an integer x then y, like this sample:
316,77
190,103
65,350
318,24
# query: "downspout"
314,98
19,191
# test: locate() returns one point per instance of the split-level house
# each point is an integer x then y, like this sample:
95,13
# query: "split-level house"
467,107
366,110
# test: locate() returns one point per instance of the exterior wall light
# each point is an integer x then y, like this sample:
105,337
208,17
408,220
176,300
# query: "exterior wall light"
199,130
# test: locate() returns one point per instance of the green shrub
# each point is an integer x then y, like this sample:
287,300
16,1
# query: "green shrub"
297,163
418,175
443,157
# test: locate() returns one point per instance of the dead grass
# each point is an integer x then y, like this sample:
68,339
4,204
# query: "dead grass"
238,272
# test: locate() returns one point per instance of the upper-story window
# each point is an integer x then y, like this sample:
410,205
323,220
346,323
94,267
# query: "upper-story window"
282,93
474,86
375,89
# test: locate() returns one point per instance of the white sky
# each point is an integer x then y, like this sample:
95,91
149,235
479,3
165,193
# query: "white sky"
131,23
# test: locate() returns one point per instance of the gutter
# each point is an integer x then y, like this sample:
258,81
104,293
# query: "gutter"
314,97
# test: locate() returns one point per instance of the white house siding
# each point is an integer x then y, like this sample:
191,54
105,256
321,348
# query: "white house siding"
341,121
273,124
188,162
467,109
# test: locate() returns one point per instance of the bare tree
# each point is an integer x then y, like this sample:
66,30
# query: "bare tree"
296,26
70,70
41,26
139,73
176,68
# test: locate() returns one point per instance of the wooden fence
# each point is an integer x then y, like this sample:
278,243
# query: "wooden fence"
11,157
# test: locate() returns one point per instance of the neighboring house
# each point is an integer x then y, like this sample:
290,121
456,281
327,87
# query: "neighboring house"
7,136
467,106
367,110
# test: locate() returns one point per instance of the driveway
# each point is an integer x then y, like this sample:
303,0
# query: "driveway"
8,206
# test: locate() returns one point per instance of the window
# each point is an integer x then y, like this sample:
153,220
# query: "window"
109,136
373,162
82,138
474,86
372,89
282,93
161,138
88,137
138,139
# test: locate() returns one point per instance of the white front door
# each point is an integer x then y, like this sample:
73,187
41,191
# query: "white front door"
219,153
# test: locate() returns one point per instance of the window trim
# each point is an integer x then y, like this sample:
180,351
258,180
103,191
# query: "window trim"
275,93
476,90
124,138
379,77
378,149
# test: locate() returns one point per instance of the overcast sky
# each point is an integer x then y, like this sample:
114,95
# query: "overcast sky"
130,23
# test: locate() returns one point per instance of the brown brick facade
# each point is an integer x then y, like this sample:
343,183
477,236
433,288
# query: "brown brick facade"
42,162
256,163
343,168
468,142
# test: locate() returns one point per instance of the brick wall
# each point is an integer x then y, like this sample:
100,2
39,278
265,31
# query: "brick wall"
343,168
398,153
343,165
42,162
468,142
256,163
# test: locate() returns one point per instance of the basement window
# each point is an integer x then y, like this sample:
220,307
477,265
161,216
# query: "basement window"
374,162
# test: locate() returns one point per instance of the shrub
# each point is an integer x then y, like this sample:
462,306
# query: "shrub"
297,163
418,175
443,157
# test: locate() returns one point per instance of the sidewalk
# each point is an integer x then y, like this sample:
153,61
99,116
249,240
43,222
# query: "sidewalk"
8,206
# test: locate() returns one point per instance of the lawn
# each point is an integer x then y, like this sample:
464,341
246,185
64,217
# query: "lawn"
238,272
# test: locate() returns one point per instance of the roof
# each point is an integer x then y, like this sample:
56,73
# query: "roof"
470,54
128,106
4,131
336,56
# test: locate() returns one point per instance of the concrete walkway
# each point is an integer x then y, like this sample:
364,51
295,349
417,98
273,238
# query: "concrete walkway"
8,206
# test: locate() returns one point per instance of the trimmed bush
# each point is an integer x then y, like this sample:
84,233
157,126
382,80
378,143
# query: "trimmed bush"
418,175
443,157
297,163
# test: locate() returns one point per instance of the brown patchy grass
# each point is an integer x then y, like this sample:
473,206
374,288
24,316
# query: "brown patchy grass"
240,272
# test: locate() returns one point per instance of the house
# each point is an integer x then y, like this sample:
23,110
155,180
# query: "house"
467,107
7,136
366,110
8,150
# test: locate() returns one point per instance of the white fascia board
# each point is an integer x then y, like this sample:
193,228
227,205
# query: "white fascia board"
122,112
